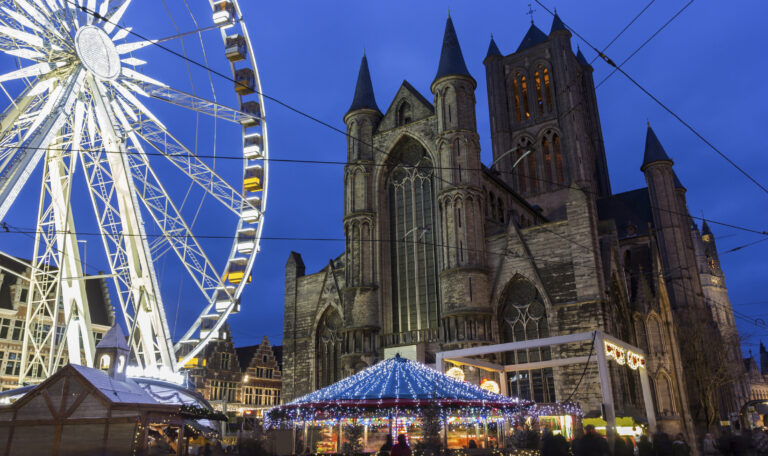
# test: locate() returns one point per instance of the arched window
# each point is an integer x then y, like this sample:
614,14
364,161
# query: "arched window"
666,402
547,155
413,250
547,89
105,361
655,335
354,141
533,178
558,159
520,94
524,182
492,200
404,115
328,349
500,206
539,94
524,317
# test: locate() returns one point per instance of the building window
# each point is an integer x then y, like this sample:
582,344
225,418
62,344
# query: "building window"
328,349
524,317
546,153
558,159
666,403
525,179
104,362
13,364
264,358
520,94
225,361
539,96
404,115
655,336
413,254
248,395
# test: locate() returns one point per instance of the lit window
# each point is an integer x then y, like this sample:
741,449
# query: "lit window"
104,362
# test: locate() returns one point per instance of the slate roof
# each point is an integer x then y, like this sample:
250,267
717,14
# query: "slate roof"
630,210
364,98
532,38
654,151
705,230
557,25
114,338
451,58
493,50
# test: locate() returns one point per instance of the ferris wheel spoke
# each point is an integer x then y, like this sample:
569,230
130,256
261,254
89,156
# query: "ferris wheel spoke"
37,69
193,103
19,35
168,218
45,127
198,171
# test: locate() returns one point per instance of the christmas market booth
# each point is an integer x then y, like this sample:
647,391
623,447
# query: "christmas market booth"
397,396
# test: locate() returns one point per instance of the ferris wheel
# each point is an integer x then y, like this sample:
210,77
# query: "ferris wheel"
88,105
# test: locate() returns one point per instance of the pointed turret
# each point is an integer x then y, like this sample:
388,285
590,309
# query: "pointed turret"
364,98
654,152
112,353
705,229
451,58
557,25
532,38
580,57
678,185
493,50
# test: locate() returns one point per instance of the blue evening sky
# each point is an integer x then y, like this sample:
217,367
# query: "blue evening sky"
705,65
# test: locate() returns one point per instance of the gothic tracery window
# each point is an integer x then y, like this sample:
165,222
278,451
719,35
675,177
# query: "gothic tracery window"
526,168
413,248
328,349
404,114
521,107
524,317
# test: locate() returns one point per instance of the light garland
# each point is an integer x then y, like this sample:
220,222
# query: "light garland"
624,356
394,388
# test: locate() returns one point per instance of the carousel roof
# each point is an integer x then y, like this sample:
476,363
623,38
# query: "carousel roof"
398,381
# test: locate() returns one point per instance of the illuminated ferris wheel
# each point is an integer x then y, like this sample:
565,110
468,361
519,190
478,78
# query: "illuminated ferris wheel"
92,99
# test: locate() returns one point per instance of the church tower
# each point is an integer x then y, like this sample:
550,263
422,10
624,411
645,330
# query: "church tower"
112,353
360,292
464,283
544,120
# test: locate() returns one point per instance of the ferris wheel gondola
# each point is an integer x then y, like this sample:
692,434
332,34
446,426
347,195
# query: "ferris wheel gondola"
85,100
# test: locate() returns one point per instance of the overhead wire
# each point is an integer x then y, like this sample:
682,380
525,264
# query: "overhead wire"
661,104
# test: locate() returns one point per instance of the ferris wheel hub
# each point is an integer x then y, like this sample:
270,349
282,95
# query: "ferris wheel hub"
97,52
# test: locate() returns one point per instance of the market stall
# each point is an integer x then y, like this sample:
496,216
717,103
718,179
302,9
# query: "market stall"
397,396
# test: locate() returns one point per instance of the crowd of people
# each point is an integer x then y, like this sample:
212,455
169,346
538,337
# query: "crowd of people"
592,443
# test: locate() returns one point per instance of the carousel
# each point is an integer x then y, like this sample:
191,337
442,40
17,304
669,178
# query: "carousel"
398,396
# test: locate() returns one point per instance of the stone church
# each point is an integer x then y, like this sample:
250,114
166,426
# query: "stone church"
443,252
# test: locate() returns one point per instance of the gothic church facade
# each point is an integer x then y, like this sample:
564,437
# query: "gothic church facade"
443,252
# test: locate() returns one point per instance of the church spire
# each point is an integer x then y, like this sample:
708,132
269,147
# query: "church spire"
654,151
364,98
557,25
493,50
451,58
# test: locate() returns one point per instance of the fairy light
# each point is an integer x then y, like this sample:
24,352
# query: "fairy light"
624,356
396,388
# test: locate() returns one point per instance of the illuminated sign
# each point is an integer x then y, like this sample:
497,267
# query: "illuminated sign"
490,385
623,356
456,372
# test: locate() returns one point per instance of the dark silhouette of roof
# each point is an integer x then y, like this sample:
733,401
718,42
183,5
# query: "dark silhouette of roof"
705,228
630,210
532,38
493,50
364,98
557,25
245,355
654,151
451,58
580,57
